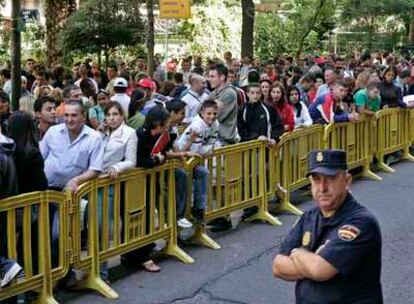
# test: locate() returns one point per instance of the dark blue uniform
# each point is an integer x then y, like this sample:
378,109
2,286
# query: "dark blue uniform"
350,241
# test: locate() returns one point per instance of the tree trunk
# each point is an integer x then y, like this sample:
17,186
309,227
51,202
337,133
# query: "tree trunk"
57,13
248,11
411,33
150,37
15,55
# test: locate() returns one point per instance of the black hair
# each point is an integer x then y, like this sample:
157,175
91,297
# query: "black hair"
21,129
178,77
38,104
4,97
342,83
405,74
308,78
5,73
221,70
157,116
175,105
113,66
252,85
137,102
208,103
115,104
68,88
373,85
253,76
298,105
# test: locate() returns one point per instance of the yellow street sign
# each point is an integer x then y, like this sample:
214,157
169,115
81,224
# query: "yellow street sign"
175,9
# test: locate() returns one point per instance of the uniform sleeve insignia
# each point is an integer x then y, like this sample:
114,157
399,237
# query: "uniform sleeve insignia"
306,238
348,232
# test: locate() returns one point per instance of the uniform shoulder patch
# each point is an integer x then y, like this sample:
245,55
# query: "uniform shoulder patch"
348,232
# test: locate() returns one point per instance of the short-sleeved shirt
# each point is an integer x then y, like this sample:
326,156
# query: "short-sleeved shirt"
350,241
362,100
65,160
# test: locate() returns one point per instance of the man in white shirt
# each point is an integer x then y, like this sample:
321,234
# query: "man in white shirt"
120,88
194,96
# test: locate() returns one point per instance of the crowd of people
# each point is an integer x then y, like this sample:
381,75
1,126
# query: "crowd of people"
76,125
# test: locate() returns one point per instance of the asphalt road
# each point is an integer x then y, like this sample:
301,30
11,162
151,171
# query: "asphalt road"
240,272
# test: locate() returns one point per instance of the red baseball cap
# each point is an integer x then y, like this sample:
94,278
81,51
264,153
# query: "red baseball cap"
147,83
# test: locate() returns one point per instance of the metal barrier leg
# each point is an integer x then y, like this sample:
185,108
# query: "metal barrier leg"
286,206
93,280
383,166
46,293
201,237
173,250
407,155
265,216
368,173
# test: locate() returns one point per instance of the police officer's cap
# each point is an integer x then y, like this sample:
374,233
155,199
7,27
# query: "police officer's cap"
326,162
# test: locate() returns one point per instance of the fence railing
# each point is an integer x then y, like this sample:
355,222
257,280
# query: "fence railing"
49,232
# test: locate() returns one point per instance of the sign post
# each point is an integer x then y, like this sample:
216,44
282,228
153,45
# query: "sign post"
174,9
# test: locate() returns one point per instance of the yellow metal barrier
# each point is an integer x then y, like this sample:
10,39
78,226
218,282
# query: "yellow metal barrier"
139,207
394,131
236,181
32,212
356,139
143,211
293,150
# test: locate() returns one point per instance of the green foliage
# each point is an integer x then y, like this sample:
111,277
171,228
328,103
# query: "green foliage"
214,28
367,12
300,26
33,42
103,25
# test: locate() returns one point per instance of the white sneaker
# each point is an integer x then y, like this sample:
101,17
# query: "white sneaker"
9,274
184,223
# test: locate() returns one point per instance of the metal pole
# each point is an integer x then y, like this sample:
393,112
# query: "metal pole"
166,57
15,55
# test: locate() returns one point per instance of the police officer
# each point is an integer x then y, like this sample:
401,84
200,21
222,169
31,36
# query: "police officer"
334,250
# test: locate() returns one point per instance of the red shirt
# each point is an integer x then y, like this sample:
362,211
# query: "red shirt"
287,114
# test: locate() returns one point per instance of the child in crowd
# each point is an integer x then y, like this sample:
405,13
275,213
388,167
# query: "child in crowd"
257,120
201,137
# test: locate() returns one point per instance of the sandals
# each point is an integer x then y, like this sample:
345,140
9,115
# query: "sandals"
150,266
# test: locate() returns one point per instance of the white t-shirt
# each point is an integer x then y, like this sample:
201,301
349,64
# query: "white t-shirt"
124,100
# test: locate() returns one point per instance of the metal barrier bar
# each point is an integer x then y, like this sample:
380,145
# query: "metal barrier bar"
355,139
293,150
236,182
393,134
24,213
138,208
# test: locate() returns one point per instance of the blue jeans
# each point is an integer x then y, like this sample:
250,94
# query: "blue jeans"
180,191
200,181
104,266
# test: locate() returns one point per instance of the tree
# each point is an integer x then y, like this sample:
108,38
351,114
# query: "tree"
103,26
248,14
211,31
307,16
370,15
57,13
150,37
296,27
